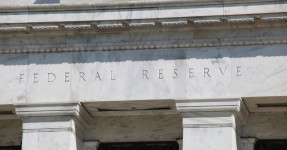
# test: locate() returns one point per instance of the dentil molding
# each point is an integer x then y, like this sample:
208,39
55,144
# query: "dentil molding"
143,45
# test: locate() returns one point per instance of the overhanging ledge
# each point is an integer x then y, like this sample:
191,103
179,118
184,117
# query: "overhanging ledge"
266,104
25,5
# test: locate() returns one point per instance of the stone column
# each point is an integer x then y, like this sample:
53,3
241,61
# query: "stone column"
212,124
248,143
53,126
92,145
179,141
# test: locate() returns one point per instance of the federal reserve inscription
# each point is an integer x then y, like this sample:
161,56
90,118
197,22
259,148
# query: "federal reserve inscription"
145,74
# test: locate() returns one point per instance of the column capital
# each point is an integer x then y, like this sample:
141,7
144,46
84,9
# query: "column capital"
75,110
214,106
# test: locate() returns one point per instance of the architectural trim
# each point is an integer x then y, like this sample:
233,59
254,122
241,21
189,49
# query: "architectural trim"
55,110
143,45
233,105
145,24
7,112
21,6
266,104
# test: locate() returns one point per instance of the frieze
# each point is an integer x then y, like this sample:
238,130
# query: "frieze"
50,77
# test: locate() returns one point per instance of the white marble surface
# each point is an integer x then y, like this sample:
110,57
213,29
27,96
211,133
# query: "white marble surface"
162,73
46,133
133,14
53,126
209,138
13,64
62,16
38,85
212,119
261,72
127,69
75,2
118,75
15,17
47,124
50,140
211,130
173,73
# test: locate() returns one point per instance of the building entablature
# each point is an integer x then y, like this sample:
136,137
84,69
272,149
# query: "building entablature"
191,74
63,21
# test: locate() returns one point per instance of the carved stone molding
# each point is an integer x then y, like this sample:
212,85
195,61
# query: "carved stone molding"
229,105
115,5
167,24
143,45
55,110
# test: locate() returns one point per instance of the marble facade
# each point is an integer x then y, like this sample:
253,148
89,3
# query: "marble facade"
209,75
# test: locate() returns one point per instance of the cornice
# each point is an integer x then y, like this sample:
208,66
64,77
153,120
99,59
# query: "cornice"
133,26
24,6
156,25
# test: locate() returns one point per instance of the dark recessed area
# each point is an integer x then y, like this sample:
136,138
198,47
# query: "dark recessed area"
140,146
273,105
47,1
10,147
6,112
271,145
134,109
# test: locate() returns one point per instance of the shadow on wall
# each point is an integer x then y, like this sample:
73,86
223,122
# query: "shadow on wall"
214,53
46,1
